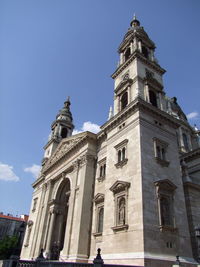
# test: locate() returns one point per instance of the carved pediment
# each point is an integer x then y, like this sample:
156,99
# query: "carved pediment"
64,148
166,185
119,186
99,198
123,84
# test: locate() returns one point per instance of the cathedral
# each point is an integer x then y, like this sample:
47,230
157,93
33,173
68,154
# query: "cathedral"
132,189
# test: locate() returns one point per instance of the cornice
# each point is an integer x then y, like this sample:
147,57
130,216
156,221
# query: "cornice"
38,181
191,155
152,82
191,184
54,139
142,35
135,105
137,54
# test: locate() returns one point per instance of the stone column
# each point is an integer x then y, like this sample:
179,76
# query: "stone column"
60,222
50,230
140,46
135,44
70,216
121,58
181,138
160,101
147,93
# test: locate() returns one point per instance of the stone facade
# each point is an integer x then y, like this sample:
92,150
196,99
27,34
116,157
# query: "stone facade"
132,189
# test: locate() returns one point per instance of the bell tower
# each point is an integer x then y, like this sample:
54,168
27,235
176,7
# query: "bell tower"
62,127
138,73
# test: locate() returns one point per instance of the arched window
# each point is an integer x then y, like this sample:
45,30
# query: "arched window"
123,153
124,100
119,155
153,98
145,51
127,53
64,132
121,212
185,141
100,220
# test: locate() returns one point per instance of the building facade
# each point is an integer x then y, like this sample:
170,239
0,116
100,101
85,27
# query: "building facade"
132,189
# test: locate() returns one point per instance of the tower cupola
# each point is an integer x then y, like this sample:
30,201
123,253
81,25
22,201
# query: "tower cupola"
62,127
138,73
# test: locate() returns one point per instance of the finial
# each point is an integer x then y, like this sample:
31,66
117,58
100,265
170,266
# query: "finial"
67,102
110,113
135,22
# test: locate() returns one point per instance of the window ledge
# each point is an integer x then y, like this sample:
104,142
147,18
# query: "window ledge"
121,163
101,178
120,227
162,162
97,234
169,228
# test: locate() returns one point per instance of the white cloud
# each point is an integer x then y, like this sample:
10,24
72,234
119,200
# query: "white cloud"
88,126
34,170
193,115
7,173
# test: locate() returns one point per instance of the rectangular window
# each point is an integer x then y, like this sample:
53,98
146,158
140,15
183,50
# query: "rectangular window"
99,207
160,152
35,200
101,169
121,150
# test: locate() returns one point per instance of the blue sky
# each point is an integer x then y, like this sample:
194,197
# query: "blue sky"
50,49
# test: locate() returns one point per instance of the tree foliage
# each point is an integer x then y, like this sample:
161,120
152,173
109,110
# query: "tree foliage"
7,246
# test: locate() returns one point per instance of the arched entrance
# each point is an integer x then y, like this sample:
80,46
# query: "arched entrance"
61,205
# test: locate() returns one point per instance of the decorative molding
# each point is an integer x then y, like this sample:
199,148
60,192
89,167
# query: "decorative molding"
162,162
120,227
119,186
99,198
138,55
100,179
166,228
97,234
121,144
121,163
165,184
123,84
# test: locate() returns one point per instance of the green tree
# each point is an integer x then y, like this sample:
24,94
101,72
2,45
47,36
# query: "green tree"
7,246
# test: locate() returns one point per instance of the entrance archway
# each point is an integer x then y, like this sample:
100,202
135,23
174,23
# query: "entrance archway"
62,204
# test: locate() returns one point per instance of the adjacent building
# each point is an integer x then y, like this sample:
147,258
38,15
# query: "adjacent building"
133,189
